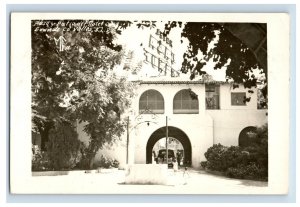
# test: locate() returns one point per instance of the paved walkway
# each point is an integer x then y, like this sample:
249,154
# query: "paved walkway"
196,182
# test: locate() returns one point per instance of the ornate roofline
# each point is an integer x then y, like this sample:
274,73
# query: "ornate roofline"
180,82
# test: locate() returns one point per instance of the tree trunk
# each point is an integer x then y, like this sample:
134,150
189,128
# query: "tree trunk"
44,136
92,151
91,162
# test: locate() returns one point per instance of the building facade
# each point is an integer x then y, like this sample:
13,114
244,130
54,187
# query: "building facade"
197,114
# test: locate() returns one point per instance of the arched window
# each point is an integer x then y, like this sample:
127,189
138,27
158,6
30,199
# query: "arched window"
185,102
151,101
247,136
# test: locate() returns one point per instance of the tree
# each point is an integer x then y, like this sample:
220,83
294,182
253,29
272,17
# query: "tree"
228,50
72,79
104,102
63,147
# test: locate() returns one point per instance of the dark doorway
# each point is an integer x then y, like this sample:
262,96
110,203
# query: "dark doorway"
246,137
172,132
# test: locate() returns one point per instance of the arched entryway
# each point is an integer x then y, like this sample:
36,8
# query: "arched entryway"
246,137
172,132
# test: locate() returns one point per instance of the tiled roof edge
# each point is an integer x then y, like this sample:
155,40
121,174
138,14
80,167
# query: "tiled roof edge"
180,82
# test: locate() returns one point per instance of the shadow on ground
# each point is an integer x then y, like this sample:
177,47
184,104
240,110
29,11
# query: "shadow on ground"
242,182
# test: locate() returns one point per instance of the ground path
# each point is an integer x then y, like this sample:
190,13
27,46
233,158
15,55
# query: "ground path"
199,182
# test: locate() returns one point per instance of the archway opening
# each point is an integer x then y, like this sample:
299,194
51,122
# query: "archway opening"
247,136
181,143
175,151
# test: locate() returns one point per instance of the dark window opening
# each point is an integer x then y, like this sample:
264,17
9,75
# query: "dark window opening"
238,99
151,101
184,103
212,96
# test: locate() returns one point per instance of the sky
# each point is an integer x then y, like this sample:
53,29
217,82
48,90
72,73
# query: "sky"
133,37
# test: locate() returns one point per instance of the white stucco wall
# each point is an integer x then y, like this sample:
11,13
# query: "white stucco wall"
225,97
82,136
204,129
198,127
229,123
115,151
230,120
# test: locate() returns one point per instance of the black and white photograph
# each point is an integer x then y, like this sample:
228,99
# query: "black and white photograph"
148,104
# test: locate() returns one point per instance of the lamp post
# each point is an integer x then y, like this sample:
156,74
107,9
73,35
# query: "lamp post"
167,134
127,143
139,117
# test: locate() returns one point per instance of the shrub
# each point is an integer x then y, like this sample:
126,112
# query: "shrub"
251,171
214,156
40,160
249,162
259,151
84,163
115,163
63,147
203,164
106,162
235,156
220,158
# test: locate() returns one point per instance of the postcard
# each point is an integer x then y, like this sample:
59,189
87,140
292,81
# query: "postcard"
149,103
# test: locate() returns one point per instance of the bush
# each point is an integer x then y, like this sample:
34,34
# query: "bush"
106,162
220,158
214,156
40,160
63,147
115,163
84,163
203,164
250,162
251,171
235,156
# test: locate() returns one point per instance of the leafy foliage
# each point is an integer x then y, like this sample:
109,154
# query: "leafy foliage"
40,160
63,148
250,162
259,148
228,51
251,171
106,162
221,158
73,80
